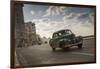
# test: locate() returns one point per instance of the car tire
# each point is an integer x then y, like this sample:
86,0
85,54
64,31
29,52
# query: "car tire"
80,46
53,48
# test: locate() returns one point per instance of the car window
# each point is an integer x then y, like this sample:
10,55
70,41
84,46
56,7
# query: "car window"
55,35
68,32
59,34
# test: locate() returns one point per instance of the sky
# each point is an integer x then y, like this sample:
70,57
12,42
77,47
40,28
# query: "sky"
49,18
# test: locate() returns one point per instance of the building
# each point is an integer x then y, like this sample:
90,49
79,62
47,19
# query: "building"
25,33
32,37
19,25
30,33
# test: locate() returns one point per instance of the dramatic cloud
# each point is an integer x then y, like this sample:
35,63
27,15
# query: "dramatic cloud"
45,20
54,10
49,19
45,27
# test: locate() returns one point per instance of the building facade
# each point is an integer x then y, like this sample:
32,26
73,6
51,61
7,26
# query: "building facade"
25,33
31,33
19,25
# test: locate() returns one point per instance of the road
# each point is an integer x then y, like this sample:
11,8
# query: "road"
43,54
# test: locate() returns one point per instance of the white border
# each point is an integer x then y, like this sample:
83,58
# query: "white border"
5,34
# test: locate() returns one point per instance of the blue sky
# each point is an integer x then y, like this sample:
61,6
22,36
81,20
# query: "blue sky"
49,18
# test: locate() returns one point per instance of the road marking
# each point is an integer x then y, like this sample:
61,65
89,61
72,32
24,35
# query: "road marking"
16,60
88,54
22,59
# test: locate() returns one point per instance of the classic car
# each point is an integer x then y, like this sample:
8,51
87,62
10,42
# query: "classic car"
65,39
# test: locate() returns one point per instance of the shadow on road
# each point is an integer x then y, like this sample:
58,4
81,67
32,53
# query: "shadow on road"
68,49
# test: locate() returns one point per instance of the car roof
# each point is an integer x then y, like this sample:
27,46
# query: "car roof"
62,30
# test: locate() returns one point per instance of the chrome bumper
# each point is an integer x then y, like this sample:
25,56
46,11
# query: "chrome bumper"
73,44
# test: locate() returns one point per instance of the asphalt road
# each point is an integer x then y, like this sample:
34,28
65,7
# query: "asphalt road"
43,54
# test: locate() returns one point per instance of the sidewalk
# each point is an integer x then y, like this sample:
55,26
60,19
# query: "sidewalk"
16,60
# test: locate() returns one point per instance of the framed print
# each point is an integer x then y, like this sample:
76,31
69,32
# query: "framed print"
49,34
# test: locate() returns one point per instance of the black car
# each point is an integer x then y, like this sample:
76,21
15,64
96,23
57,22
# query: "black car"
65,39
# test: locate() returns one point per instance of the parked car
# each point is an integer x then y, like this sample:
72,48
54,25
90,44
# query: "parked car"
65,39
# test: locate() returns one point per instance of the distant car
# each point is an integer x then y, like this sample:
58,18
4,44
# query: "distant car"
65,39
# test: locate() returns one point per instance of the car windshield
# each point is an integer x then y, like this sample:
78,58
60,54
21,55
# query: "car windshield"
60,33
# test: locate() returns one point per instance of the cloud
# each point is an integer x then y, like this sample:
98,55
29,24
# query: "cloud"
77,25
81,23
54,10
45,20
82,17
69,16
36,14
32,12
46,27
91,17
49,19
